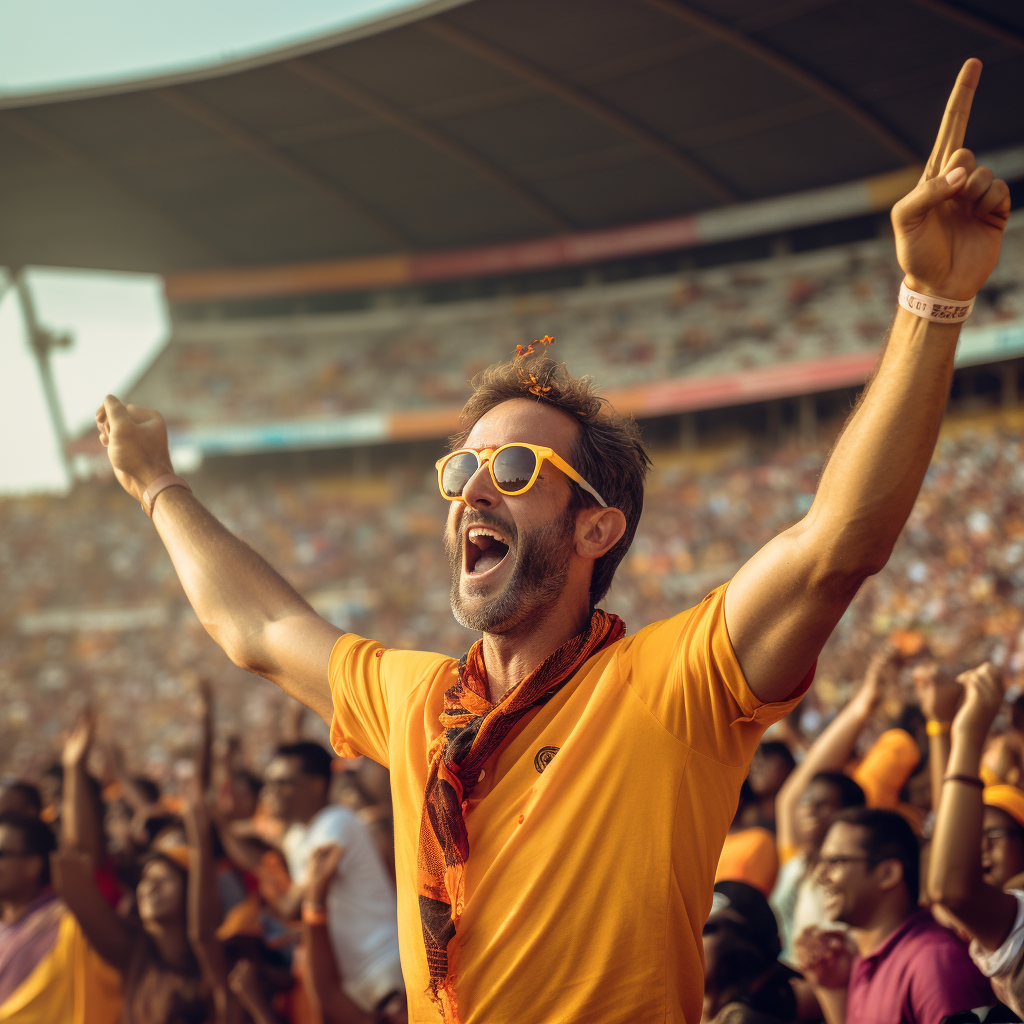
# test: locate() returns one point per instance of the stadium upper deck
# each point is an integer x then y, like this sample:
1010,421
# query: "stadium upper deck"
788,325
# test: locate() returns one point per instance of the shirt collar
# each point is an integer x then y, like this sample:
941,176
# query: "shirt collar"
912,923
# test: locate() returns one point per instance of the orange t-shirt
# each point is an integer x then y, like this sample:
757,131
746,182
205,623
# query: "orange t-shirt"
595,832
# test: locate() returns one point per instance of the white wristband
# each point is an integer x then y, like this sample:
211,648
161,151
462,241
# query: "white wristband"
931,307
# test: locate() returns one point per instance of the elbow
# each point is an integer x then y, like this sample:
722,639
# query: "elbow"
850,551
954,896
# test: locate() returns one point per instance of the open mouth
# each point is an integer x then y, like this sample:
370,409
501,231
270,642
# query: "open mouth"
486,549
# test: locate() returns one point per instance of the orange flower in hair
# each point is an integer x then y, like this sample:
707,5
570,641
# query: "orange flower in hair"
546,340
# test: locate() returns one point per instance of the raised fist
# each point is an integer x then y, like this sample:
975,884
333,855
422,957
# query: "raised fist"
136,443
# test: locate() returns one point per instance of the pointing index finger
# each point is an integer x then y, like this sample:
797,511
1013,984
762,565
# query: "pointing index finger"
954,120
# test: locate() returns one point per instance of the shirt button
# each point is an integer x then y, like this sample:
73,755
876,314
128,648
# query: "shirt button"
522,818
480,777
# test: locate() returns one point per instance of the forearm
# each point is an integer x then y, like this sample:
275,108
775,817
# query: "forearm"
248,608
876,469
938,758
829,752
833,1004
81,828
954,875
325,980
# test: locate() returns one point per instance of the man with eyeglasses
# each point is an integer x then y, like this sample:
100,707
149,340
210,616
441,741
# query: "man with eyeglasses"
907,967
562,793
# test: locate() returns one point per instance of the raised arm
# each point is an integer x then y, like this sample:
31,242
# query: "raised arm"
248,608
831,750
110,935
939,697
783,604
954,871
80,824
203,903
324,978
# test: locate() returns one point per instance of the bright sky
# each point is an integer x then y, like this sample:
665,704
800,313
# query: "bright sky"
50,44
118,322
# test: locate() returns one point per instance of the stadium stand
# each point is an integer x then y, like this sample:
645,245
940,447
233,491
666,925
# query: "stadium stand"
366,550
696,324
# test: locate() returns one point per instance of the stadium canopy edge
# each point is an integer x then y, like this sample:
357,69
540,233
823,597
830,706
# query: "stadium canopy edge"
411,12
740,220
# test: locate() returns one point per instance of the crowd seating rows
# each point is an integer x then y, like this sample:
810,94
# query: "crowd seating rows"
368,553
717,320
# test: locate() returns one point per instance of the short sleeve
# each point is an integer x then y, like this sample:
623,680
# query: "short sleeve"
686,672
368,684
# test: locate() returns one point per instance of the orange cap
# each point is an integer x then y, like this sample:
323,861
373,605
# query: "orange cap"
1008,799
886,767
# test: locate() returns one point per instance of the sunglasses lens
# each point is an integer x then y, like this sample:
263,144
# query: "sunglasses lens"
514,467
456,473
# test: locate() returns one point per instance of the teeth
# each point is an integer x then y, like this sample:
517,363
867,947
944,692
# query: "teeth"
483,531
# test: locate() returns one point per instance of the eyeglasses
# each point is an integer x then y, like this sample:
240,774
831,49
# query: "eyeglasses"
514,469
993,835
828,863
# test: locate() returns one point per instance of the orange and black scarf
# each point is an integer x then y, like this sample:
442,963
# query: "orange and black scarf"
473,729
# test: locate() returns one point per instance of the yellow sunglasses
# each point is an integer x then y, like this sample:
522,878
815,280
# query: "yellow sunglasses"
514,469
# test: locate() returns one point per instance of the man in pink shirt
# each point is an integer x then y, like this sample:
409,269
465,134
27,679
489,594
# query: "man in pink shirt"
908,967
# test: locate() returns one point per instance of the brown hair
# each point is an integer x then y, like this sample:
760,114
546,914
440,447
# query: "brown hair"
608,453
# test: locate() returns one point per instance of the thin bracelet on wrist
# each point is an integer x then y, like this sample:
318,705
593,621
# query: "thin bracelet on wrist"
937,727
314,913
970,780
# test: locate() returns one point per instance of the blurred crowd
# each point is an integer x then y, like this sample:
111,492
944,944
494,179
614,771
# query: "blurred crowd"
158,864
716,320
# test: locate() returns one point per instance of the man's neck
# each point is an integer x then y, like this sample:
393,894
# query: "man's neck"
13,910
885,921
511,657
308,817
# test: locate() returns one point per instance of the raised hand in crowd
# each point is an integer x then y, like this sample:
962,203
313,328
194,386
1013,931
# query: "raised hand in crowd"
324,981
81,812
968,828
825,957
938,695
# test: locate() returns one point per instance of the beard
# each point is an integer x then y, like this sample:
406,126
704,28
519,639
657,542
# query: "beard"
537,579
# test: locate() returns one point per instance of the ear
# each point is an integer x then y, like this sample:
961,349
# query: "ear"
598,530
890,874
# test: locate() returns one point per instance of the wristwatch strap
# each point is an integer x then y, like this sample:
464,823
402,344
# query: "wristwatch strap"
161,483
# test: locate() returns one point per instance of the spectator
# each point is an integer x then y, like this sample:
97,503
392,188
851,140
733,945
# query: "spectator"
976,848
772,765
807,802
907,967
361,905
749,853
20,798
47,968
744,982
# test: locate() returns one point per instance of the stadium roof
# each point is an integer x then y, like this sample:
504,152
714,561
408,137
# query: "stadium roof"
497,121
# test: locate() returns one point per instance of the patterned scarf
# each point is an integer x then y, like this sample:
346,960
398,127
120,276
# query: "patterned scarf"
473,730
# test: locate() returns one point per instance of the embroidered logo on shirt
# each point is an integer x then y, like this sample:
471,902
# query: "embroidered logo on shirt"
543,758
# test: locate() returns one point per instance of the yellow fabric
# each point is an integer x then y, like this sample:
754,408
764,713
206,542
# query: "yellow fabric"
71,985
749,856
595,833
886,768
1008,799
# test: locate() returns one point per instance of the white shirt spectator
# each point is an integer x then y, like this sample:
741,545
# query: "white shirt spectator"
1003,964
361,906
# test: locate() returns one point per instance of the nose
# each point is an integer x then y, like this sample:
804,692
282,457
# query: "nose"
480,491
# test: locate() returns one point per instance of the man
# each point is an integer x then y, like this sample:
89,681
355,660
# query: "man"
908,967
48,972
360,906
527,891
